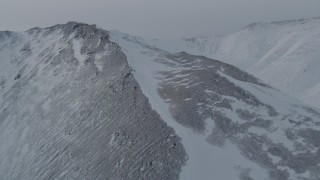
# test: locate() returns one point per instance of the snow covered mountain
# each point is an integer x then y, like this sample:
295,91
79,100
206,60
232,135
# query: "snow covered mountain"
79,102
284,54
70,108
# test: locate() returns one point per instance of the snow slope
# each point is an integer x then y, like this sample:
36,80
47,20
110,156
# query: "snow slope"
284,54
232,125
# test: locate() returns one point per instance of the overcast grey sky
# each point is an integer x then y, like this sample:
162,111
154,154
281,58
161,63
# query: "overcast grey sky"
154,18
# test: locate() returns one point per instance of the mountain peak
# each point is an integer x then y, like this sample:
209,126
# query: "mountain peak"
81,29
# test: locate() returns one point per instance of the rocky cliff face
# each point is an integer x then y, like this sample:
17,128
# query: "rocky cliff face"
70,108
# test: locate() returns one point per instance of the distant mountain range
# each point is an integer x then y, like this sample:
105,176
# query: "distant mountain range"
284,54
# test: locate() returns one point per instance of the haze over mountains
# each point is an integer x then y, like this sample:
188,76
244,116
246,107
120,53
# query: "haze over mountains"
79,102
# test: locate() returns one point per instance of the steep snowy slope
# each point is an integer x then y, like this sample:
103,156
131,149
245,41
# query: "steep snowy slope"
284,54
232,125
71,109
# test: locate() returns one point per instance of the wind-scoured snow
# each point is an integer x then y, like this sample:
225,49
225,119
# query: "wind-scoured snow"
77,51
